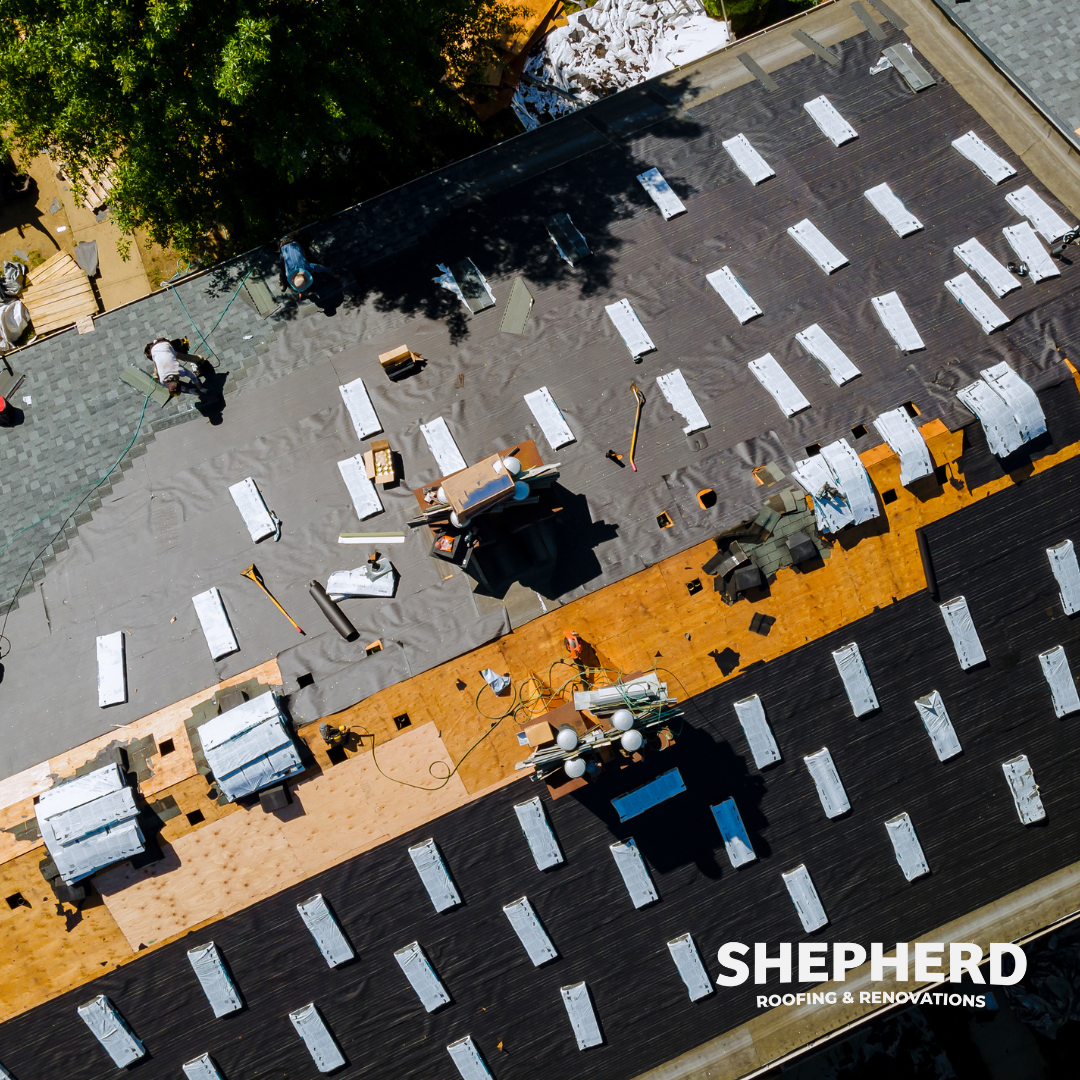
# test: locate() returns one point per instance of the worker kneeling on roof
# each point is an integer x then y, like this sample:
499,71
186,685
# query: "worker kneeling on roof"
176,375
299,274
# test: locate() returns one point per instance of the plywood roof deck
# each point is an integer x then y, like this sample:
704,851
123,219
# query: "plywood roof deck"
235,857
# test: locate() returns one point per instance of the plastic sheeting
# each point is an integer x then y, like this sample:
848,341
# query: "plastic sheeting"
324,928
1046,220
112,669
691,970
823,349
248,747
311,1027
102,1019
681,398
777,381
433,873
751,714
857,684
804,896
909,852
985,312
961,627
938,726
1066,573
830,789
993,166
579,1008
905,440
213,977
1055,668
1024,790
538,833
530,932
635,873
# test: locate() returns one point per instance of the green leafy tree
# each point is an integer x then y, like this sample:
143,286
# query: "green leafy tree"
242,117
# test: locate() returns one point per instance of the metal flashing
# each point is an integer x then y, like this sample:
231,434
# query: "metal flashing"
902,57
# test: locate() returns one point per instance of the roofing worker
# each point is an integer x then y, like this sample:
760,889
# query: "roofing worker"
178,377
299,274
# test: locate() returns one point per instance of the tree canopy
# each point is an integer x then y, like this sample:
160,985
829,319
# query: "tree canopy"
242,115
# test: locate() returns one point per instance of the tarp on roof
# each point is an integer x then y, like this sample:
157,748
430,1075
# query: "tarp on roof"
905,440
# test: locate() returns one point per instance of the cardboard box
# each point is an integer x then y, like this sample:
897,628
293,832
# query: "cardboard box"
479,487
398,361
540,734
379,462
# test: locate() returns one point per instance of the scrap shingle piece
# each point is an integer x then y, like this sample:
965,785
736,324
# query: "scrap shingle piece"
659,190
630,329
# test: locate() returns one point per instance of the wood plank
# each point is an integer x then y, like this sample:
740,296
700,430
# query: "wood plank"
39,298
49,267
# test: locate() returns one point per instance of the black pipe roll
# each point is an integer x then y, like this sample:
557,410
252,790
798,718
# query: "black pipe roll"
338,620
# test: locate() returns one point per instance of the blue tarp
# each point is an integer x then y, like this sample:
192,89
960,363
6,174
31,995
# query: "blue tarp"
648,795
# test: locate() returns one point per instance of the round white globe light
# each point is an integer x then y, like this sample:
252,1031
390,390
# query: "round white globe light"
458,522
511,465
574,767
623,719
441,495
566,738
631,740
521,490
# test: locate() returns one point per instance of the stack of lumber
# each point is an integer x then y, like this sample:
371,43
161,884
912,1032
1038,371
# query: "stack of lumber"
58,293
97,189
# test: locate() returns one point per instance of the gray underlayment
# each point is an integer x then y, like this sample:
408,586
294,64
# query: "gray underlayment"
167,529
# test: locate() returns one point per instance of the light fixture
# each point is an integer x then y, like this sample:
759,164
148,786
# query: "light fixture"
511,465
566,738
631,740
623,719
574,767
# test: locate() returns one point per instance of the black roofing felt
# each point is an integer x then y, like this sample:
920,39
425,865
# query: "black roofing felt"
993,553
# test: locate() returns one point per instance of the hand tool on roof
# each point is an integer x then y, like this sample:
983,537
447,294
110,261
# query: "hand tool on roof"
253,573
637,422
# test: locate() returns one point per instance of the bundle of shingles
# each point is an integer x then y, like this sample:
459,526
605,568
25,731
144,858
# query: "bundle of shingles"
57,294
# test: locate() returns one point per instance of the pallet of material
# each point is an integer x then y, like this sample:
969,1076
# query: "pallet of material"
57,294
97,189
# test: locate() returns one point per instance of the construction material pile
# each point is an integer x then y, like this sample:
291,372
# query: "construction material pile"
607,48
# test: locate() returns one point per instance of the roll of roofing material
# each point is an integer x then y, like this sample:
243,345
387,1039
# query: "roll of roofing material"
337,617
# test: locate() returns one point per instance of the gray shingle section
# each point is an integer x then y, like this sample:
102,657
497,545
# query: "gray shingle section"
1037,40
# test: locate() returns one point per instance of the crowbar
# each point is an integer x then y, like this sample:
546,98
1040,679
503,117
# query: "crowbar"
637,422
